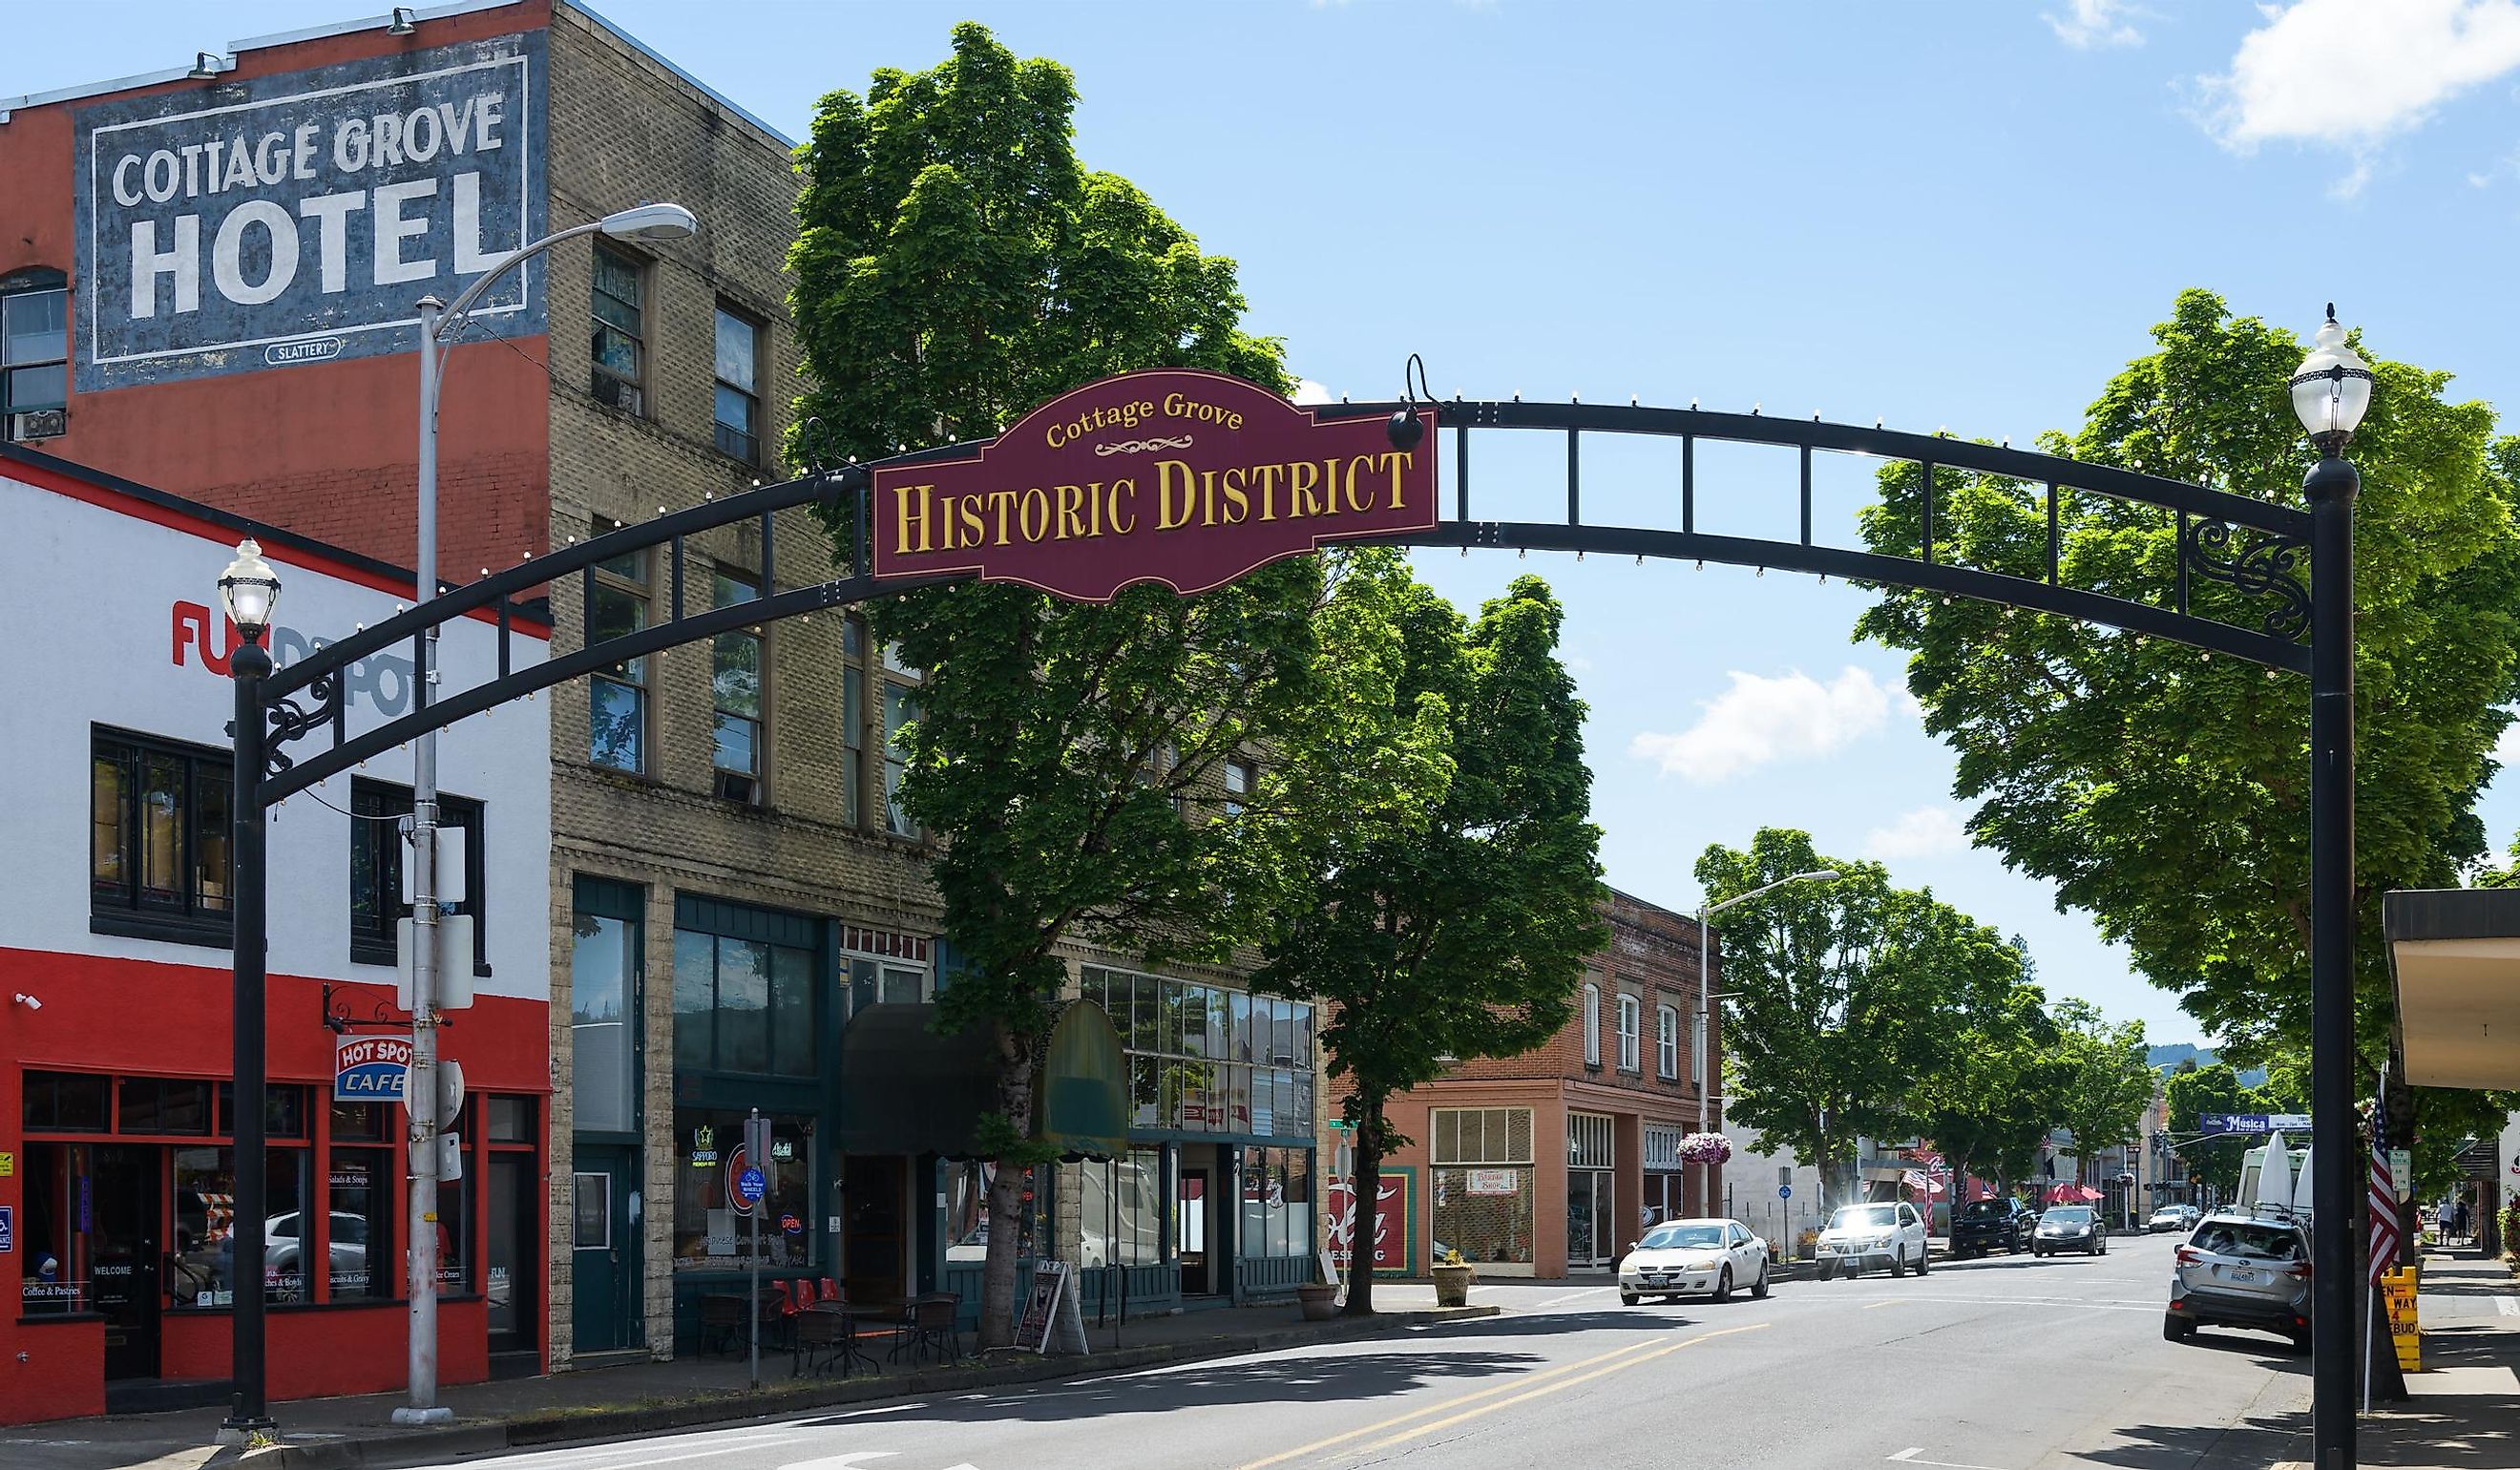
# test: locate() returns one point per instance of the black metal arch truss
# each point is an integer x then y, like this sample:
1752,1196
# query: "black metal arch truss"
2250,545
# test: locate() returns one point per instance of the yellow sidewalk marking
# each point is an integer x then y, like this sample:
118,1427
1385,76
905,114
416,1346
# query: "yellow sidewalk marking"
1549,1388
1437,1408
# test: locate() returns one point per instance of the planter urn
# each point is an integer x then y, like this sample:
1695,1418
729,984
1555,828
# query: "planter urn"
1453,1285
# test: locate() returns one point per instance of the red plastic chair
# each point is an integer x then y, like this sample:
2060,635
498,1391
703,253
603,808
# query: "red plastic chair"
830,1290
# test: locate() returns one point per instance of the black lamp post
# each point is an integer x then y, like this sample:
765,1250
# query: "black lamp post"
247,590
2329,395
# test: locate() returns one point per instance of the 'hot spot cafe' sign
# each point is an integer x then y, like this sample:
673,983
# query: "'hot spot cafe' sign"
370,1068
1181,478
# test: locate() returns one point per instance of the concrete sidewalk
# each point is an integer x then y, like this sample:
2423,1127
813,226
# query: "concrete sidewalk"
359,1433
2464,1409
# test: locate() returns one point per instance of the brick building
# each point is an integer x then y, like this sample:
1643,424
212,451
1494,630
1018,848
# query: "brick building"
211,287
1551,1162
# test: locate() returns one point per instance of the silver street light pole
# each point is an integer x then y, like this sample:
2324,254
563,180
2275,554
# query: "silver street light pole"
1700,1061
439,322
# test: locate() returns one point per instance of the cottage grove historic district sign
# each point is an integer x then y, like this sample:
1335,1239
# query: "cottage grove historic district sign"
1185,479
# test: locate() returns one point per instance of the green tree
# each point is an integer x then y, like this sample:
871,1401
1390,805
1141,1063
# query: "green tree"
1457,926
2165,791
1851,994
2109,1081
2212,1089
1996,1096
955,266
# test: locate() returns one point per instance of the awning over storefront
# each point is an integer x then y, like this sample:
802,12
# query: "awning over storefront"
907,1089
2456,956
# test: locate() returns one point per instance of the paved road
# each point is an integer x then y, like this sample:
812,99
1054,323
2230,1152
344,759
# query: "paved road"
2007,1363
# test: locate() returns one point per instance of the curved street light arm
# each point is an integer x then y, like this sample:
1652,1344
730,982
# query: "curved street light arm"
453,316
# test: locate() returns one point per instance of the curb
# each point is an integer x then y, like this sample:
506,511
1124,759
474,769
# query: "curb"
466,1441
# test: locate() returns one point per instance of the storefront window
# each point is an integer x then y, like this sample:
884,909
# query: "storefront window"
742,1005
1483,1182
1276,1202
966,1214
1121,1208
360,1256
603,992
55,1270
204,1255
66,1102
712,1228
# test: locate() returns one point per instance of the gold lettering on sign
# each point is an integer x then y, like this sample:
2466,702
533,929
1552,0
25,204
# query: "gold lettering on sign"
1291,490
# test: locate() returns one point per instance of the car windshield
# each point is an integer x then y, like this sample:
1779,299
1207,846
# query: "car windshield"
1983,1209
1863,1218
2248,1241
2069,1215
1679,1237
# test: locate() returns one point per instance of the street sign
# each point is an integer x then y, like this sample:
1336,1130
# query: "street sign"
454,961
370,1068
751,1184
2252,1123
8,1228
1784,1192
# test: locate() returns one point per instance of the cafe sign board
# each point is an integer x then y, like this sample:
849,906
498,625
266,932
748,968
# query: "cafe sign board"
1185,478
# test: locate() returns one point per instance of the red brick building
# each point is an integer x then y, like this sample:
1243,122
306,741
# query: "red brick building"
1552,1162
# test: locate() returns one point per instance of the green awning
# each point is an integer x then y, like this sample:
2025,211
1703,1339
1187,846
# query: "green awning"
1084,1087
905,1089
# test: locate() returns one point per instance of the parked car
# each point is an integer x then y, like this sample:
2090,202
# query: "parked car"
1987,1226
1873,1235
2071,1228
2241,1271
1686,1257
2173,1218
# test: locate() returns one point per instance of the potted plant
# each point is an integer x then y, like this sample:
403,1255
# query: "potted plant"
1453,1278
1319,1300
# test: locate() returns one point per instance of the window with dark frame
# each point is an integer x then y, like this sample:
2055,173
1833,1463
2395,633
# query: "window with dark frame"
739,396
34,349
376,850
1242,778
621,333
616,706
157,837
900,708
853,724
735,690
742,1005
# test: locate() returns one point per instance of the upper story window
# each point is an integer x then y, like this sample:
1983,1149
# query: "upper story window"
900,708
1592,1025
735,686
378,846
1242,778
157,838
35,353
742,1005
1667,1042
853,722
616,704
738,395
620,328
1630,1023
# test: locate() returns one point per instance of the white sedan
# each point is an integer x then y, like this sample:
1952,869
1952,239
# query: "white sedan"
2173,1218
1689,1257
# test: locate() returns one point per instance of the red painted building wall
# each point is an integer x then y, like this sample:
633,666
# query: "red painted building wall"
326,449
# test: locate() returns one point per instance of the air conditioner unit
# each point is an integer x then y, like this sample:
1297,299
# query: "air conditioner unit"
733,786
39,423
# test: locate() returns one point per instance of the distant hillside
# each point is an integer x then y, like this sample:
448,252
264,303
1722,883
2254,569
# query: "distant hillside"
2167,1059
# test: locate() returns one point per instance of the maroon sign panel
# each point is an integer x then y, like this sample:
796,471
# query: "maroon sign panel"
1185,479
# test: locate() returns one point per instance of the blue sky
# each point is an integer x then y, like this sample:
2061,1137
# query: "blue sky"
1960,215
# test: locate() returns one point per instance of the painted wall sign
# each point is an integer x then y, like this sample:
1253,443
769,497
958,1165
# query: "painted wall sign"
1185,479
1394,1244
299,218
370,1068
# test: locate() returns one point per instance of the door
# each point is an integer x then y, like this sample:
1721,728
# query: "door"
512,1279
874,1246
1591,1221
1194,1219
120,1205
604,1253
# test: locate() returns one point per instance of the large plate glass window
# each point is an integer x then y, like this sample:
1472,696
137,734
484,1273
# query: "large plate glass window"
712,1227
1483,1182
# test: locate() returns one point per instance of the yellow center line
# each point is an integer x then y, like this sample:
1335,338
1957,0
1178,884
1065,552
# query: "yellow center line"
1891,1301
1437,1408
1549,1388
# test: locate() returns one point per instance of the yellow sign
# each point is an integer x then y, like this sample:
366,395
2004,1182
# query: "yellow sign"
2398,1290
7,1165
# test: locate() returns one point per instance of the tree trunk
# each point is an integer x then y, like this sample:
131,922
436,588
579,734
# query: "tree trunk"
1006,1202
1365,1187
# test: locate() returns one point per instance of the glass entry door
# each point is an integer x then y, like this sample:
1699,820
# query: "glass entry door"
1589,1225
124,1209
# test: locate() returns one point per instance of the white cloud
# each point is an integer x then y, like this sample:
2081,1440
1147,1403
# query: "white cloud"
2506,750
1926,832
1309,392
1760,720
2352,74
2087,24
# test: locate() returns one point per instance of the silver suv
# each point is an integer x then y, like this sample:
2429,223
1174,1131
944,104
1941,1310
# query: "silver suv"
2242,1271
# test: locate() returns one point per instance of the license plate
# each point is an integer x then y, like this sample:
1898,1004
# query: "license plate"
2248,1276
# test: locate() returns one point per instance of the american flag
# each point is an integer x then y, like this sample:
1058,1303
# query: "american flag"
2384,1197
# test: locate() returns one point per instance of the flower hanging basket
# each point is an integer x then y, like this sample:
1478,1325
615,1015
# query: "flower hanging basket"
1705,1148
